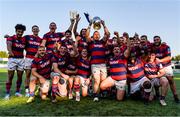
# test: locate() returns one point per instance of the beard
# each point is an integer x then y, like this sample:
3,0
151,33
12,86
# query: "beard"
157,43
41,54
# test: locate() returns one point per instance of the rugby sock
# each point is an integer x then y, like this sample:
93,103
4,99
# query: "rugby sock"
8,87
162,98
103,93
54,89
18,85
95,94
77,87
70,90
26,87
176,98
31,94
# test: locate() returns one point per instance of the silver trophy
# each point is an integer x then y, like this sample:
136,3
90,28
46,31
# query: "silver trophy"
96,21
73,15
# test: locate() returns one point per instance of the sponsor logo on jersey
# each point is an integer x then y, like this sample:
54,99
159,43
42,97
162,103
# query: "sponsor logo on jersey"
113,62
98,46
34,43
45,64
19,45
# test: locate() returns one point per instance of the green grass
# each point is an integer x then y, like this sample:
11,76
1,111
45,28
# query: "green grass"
17,106
3,62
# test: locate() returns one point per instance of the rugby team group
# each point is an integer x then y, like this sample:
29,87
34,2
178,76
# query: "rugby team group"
61,63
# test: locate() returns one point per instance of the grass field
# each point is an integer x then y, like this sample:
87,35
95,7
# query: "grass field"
105,107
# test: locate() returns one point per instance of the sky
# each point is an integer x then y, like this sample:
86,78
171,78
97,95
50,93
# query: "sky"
149,17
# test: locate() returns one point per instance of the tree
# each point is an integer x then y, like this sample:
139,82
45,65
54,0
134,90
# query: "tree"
3,54
176,58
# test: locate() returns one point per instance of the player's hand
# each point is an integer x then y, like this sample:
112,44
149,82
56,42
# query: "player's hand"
90,23
78,38
103,23
116,33
158,60
57,45
78,18
152,76
6,36
87,81
11,54
72,21
65,76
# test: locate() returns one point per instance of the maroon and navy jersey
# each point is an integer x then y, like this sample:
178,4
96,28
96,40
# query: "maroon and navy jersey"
118,68
136,50
72,65
51,38
135,71
32,44
68,43
61,61
97,50
109,49
152,68
163,51
18,46
144,49
82,44
83,67
43,65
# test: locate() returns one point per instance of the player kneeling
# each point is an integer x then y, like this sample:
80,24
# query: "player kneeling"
155,72
59,78
118,66
41,69
83,74
140,85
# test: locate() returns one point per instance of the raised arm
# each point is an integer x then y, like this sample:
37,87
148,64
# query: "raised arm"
127,51
43,43
117,35
106,31
71,25
88,32
76,24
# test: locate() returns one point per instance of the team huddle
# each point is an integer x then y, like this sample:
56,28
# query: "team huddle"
71,64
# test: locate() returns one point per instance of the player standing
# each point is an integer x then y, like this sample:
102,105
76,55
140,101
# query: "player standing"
15,47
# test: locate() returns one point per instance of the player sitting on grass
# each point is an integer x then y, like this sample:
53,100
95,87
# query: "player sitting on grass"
140,85
155,72
59,78
118,72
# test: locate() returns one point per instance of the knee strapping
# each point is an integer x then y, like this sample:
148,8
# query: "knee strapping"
147,86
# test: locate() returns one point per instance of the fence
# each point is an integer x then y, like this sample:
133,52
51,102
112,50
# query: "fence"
3,62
